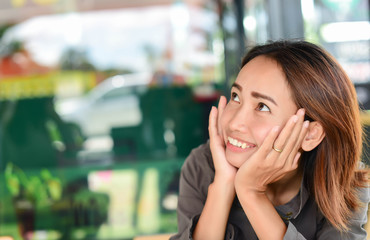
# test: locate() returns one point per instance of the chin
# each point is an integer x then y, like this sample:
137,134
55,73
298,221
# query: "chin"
235,160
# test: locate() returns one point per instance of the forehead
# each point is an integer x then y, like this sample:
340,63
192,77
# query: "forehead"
264,75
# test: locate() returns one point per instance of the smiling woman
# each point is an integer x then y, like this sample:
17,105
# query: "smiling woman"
268,172
260,99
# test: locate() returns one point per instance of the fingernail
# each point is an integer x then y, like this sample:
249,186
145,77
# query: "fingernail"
301,112
306,123
295,118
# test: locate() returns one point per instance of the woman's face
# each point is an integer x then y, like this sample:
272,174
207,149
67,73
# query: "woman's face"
260,99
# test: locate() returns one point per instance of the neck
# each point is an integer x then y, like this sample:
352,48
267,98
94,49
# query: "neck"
285,189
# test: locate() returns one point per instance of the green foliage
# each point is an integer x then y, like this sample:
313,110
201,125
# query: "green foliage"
37,189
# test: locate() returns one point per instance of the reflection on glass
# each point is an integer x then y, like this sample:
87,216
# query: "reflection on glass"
98,110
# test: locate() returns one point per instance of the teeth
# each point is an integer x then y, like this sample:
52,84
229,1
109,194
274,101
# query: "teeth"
236,143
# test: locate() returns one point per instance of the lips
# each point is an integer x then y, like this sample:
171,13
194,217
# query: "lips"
238,144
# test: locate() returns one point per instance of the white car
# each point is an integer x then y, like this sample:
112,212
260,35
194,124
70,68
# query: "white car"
112,103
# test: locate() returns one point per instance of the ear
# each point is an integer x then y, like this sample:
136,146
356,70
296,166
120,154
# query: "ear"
313,137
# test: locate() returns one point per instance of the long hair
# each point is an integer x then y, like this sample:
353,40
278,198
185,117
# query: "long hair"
322,88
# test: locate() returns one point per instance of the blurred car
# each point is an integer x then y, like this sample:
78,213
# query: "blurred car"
112,103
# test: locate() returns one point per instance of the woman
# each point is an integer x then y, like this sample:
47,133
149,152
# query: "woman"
284,154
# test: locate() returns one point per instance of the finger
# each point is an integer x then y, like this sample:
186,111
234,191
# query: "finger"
298,143
221,106
295,161
279,142
278,175
295,140
289,133
212,123
291,136
268,143
217,144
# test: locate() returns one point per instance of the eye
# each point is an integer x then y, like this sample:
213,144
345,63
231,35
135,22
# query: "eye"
263,107
235,97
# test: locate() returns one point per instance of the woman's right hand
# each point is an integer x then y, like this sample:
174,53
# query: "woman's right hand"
223,169
221,193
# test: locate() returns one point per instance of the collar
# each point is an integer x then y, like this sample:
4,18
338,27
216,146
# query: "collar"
294,207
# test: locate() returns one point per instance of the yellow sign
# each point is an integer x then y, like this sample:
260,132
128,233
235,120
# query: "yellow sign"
21,3
45,85
45,2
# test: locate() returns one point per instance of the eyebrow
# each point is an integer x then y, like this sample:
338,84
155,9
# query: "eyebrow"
235,85
256,94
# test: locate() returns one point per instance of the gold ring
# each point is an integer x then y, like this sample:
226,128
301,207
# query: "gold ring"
277,150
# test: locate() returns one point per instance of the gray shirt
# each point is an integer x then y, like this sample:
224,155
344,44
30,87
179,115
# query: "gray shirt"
302,216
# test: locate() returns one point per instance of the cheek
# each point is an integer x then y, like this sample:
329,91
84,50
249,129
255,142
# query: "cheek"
225,118
260,130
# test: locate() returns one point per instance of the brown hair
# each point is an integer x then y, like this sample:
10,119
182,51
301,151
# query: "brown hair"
321,86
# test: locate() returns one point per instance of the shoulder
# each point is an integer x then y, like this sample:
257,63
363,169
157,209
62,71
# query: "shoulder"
359,216
364,194
200,157
199,162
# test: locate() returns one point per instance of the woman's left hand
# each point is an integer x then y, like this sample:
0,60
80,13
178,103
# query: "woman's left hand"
277,156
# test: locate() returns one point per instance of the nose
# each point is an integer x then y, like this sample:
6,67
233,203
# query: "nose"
239,121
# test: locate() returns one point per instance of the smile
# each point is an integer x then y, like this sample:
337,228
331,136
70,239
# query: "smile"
236,143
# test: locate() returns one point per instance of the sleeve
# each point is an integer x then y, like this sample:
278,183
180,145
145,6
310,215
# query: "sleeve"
328,232
191,195
356,224
196,175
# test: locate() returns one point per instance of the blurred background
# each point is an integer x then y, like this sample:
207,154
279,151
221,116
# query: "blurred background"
102,100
